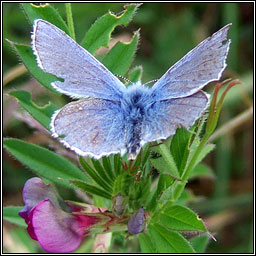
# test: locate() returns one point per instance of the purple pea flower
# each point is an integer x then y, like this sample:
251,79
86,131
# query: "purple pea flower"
58,226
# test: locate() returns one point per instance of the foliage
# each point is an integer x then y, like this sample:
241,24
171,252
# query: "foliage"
156,180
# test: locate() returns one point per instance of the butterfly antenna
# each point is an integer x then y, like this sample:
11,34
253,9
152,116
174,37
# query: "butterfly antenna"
124,78
152,81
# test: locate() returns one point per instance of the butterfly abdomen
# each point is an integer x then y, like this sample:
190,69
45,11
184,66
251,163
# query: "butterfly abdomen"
134,136
134,106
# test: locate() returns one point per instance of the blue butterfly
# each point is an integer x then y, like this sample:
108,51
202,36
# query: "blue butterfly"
112,118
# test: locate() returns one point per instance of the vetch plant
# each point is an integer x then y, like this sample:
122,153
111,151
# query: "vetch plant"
60,226
127,197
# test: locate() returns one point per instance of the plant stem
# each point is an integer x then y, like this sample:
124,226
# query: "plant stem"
230,126
70,20
179,186
14,73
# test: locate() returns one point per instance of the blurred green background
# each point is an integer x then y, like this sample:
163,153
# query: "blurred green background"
168,31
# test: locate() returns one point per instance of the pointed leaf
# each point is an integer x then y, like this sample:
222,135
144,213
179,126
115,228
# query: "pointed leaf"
167,194
100,32
122,184
151,203
29,60
167,241
163,183
179,217
117,164
163,149
44,162
10,213
135,74
107,166
41,114
119,59
45,12
205,151
101,171
94,175
145,244
199,243
202,170
161,165
94,190
180,148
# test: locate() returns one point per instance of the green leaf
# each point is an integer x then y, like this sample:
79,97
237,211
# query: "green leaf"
119,59
94,175
45,12
100,32
23,240
186,197
199,243
163,183
122,184
106,162
44,162
10,213
145,185
202,170
180,148
101,171
146,244
167,194
151,203
180,218
70,21
163,149
91,189
167,241
41,114
29,60
135,74
161,165
205,151
192,149
117,164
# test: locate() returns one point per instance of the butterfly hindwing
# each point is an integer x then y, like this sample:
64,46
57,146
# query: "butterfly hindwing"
167,115
90,127
117,119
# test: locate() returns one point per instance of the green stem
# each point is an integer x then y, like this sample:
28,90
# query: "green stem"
70,20
179,186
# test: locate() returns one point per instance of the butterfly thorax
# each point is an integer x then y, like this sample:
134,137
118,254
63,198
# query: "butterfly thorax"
134,104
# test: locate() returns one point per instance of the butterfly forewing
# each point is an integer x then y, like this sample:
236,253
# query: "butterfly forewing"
203,64
83,75
116,119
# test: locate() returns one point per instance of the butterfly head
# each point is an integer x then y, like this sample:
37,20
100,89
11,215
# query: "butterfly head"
136,95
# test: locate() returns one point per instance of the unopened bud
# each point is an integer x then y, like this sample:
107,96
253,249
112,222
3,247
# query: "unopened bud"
136,222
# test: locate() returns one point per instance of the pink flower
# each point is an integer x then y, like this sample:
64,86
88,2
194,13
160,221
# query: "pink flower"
58,226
